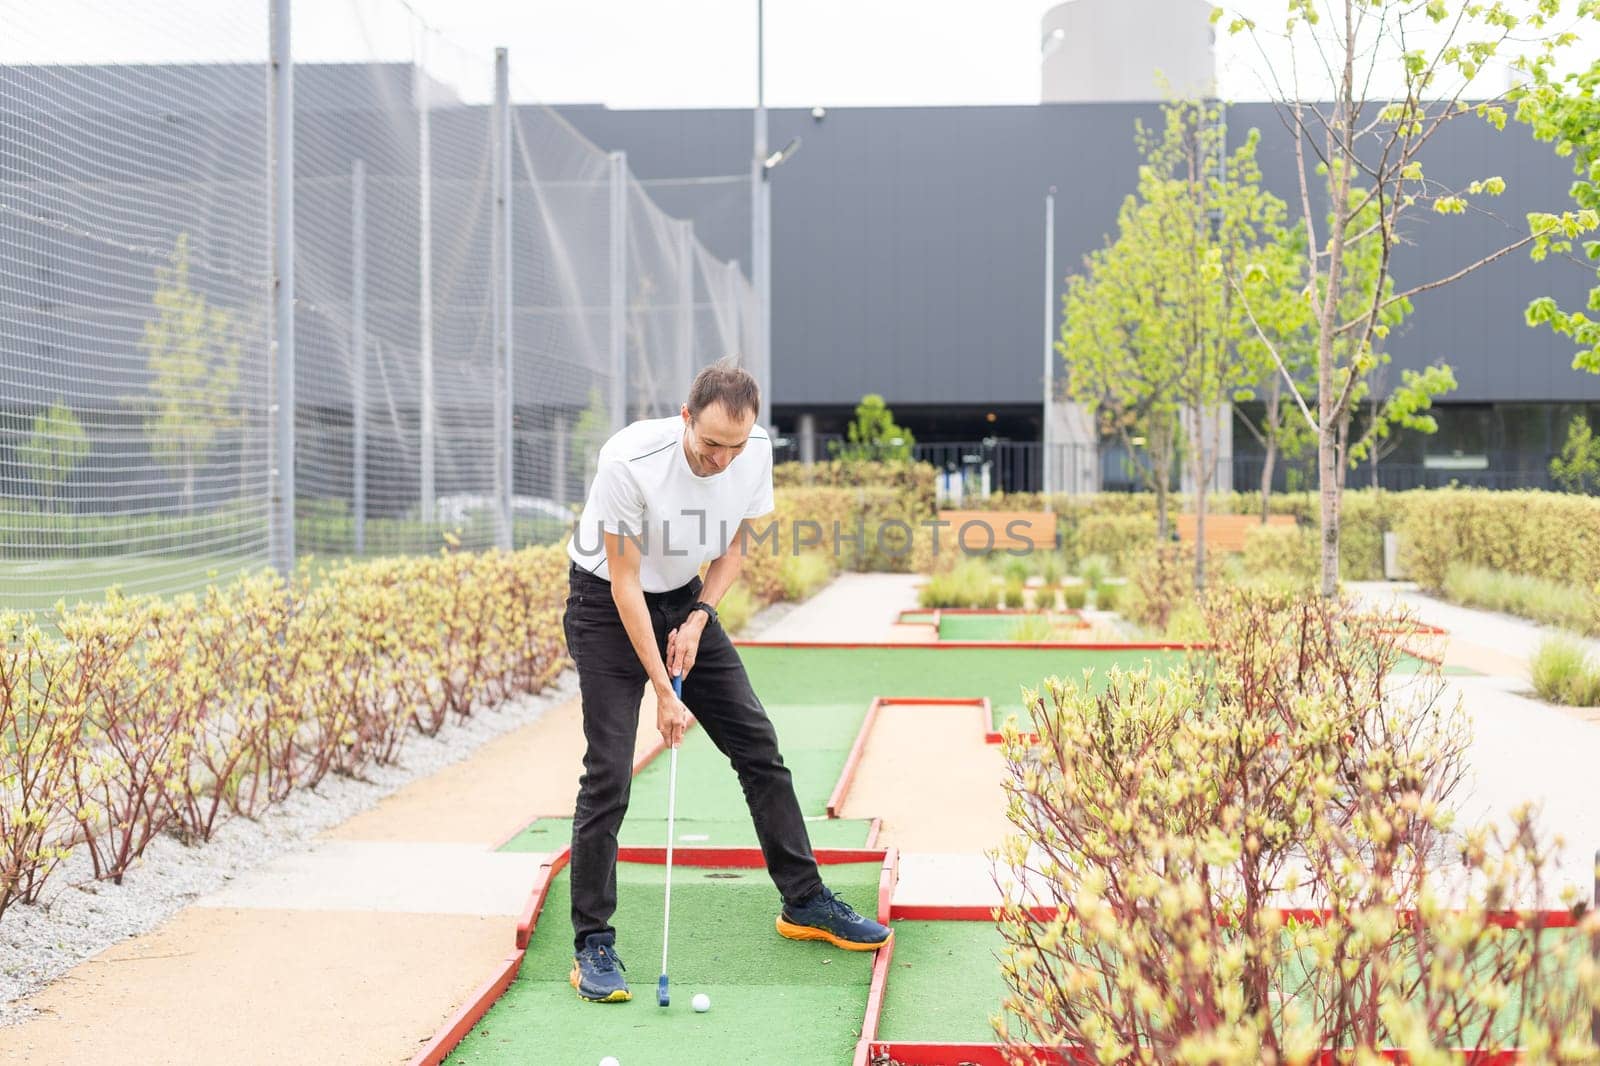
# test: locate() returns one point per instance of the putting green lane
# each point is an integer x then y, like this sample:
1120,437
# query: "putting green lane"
773,1001
1000,626
852,676
734,831
944,983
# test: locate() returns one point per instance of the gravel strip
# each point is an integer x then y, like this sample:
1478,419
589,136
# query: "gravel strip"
79,917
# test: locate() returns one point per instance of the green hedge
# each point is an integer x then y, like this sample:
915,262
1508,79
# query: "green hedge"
1084,522
1537,534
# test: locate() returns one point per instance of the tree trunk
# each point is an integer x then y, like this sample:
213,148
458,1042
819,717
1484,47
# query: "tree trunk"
1200,519
1272,422
1161,510
1266,480
1163,470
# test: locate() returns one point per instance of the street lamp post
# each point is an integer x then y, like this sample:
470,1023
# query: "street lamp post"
761,229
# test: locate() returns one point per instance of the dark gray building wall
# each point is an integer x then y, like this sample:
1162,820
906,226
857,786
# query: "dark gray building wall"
908,247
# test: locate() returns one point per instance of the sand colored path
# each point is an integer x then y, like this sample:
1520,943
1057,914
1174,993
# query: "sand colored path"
354,951
927,773
217,985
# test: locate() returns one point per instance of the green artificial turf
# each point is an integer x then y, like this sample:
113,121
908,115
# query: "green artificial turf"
997,626
944,983
773,1001
822,677
815,739
732,830
916,618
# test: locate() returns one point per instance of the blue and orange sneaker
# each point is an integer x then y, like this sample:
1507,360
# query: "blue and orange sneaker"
594,971
827,917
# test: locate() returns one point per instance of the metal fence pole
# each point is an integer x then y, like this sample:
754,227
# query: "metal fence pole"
685,234
427,415
619,289
500,298
281,524
358,352
1047,465
759,362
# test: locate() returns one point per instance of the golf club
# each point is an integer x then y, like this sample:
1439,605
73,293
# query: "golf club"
662,997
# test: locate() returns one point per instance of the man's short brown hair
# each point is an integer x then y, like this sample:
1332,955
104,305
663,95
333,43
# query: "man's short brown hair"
727,383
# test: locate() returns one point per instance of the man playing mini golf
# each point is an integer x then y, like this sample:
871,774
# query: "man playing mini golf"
670,495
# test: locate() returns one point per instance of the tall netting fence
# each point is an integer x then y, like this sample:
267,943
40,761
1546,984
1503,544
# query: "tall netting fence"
135,296
137,318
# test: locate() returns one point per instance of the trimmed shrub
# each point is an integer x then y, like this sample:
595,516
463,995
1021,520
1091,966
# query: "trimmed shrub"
1016,594
1075,595
1537,534
1278,550
1118,538
1108,594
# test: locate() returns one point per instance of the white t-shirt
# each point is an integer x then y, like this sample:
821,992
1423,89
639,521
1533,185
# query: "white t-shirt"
644,492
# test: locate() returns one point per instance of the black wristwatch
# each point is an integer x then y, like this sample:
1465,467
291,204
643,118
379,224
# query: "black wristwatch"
711,612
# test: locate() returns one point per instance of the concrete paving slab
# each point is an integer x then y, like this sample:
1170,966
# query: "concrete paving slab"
1524,750
387,877
954,878
859,608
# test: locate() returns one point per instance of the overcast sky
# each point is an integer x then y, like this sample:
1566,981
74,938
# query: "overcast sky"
632,53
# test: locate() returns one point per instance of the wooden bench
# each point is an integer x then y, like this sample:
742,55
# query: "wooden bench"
999,530
1227,532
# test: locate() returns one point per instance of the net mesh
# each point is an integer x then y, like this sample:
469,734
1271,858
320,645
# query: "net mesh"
136,311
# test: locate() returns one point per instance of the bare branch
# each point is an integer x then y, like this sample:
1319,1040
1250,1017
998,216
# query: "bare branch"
1463,272
1272,349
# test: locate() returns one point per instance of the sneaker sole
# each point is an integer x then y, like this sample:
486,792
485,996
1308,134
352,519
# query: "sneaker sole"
621,995
811,932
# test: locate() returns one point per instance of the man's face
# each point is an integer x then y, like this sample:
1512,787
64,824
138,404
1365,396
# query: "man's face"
714,438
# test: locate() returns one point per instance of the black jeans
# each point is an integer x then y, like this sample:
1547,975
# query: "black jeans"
611,681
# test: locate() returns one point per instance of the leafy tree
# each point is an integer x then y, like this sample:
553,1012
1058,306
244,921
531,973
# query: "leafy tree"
873,435
1405,408
1152,330
1566,112
589,434
1577,468
54,448
1281,308
1370,149
192,352
1111,366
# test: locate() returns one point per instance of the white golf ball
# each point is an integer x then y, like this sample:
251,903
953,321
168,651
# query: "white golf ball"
702,1002
609,1060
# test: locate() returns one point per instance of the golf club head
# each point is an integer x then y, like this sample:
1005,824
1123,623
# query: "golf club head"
662,999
